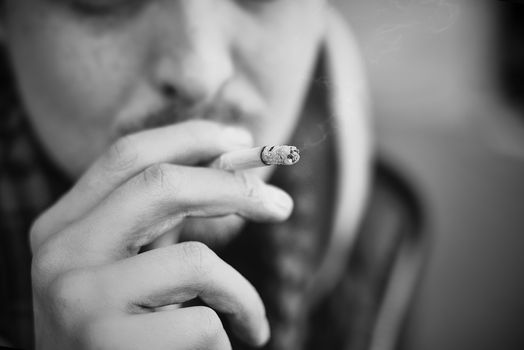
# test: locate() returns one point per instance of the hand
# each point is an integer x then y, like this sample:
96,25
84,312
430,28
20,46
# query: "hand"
92,290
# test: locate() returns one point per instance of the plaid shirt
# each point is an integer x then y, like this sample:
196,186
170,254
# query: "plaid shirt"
29,183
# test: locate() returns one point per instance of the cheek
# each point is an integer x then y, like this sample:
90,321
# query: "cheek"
68,80
71,83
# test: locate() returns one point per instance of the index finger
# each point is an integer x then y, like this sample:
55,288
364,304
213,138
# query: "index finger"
186,143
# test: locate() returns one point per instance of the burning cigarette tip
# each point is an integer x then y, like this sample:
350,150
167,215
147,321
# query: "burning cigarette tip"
257,157
280,155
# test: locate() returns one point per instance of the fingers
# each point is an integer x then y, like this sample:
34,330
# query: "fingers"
186,143
184,329
182,272
214,232
159,199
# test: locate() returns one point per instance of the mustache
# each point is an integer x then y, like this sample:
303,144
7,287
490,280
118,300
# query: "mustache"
163,116
175,113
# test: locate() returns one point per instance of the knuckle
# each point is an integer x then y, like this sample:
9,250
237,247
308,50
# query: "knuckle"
42,266
251,186
160,177
210,323
198,256
69,291
122,154
46,261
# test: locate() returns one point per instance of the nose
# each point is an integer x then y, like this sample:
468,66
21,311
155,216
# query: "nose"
192,60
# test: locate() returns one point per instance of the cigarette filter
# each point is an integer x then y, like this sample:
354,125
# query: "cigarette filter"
257,157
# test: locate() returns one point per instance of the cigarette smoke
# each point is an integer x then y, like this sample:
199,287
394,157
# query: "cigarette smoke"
398,19
322,131
394,20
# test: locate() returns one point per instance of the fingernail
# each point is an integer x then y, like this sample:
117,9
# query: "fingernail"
238,137
280,200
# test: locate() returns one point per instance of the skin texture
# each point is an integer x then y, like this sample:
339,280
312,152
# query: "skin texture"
89,78
127,97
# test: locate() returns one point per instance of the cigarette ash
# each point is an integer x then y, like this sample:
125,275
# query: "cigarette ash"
280,155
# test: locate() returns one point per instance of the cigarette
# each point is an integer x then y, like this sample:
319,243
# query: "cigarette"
257,157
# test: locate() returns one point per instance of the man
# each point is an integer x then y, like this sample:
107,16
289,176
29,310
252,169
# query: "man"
126,103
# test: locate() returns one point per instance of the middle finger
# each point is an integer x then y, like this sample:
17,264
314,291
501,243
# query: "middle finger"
158,199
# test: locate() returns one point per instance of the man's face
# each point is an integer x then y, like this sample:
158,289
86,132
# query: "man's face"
90,71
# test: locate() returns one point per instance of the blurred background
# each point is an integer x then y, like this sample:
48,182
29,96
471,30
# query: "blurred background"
447,80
